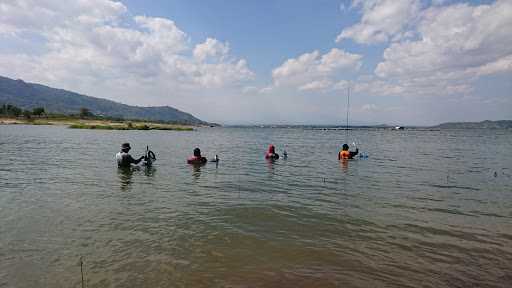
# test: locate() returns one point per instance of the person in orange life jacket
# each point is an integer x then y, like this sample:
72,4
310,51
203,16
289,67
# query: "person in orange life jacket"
346,154
197,158
124,159
271,153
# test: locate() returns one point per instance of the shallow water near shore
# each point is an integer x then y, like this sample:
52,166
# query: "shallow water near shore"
426,208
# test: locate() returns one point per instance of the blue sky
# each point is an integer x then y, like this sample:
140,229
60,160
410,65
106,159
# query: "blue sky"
407,62
266,32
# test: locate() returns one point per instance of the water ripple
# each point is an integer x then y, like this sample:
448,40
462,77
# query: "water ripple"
404,217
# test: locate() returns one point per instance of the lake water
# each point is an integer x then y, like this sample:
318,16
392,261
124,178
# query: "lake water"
425,209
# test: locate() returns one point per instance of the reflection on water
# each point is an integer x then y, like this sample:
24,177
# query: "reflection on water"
125,175
150,171
196,169
406,217
344,165
271,166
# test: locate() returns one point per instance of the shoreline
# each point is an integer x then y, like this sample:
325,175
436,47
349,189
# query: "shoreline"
97,124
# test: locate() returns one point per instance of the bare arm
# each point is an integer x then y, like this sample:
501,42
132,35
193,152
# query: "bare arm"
135,161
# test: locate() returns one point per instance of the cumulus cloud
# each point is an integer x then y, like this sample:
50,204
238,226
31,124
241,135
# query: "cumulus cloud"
378,87
369,107
313,71
266,90
382,20
95,43
316,85
43,15
212,48
456,45
96,47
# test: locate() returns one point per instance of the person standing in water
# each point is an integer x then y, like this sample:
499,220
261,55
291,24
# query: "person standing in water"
346,154
124,159
197,158
271,153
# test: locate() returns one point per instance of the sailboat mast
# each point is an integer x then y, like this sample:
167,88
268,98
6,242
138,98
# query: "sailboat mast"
348,108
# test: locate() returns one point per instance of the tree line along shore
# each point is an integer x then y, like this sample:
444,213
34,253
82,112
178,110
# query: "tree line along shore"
85,119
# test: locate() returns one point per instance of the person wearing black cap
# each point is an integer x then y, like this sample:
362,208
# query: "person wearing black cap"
124,159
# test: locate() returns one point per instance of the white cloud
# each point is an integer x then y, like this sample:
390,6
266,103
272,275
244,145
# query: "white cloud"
87,46
266,90
296,67
44,15
162,37
499,66
316,85
342,85
378,88
211,48
337,59
219,74
98,48
382,20
313,71
456,45
369,107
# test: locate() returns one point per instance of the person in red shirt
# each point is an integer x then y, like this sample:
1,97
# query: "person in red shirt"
271,153
197,158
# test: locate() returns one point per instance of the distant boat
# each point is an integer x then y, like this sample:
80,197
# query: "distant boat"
399,128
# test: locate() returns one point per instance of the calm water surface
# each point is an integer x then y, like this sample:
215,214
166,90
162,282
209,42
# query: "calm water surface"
426,209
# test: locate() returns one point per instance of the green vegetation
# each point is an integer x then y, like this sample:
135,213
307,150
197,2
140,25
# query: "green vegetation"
10,114
39,111
84,113
130,126
89,126
30,96
10,110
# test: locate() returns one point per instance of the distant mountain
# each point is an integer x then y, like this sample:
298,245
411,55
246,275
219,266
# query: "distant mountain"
501,124
29,95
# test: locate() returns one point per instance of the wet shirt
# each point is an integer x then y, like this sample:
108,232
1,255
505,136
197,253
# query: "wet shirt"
197,160
271,153
345,154
124,159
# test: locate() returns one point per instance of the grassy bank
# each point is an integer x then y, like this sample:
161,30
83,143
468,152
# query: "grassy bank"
131,126
96,124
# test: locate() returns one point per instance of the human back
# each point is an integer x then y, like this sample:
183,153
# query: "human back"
271,153
197,158
346,154
124,159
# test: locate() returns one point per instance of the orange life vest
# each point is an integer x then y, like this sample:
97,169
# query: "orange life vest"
344,154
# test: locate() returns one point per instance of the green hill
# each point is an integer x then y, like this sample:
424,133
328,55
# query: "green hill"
30,95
